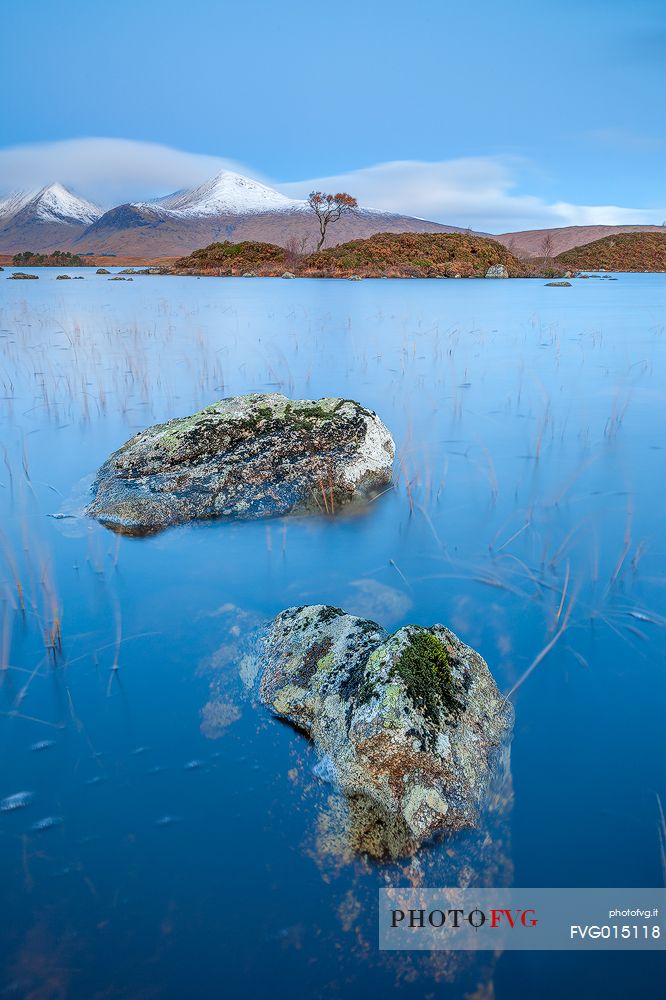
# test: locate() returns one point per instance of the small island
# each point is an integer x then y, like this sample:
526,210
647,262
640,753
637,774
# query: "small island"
384,255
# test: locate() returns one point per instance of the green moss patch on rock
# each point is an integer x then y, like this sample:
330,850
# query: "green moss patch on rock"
424,668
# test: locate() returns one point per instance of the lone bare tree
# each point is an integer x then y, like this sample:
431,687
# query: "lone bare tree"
547,247
329,208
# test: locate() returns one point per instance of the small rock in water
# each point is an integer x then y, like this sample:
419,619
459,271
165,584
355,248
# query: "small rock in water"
496,271
139,750
558,284
96,780
47,823
193,765
18,801
42,745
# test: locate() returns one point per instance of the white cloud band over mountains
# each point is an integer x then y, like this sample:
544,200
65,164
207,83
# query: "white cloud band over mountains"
481,192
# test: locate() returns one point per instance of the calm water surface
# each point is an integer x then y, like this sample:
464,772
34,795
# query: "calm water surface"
189,847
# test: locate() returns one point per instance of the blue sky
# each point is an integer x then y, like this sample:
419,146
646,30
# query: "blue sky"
495,112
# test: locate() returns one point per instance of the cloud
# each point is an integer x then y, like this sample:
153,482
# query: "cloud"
108,171
482,192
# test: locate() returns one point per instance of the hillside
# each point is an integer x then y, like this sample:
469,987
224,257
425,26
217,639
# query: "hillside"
233,259
624,252
402,255
550,242
406,255
138,231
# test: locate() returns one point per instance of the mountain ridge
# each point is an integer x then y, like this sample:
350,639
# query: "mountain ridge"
229,206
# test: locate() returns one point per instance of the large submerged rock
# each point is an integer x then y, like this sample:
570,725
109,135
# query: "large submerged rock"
410,726
246,457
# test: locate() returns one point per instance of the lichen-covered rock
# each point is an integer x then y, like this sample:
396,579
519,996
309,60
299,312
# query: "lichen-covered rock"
497,271
253,456
411,726
102,270
22,276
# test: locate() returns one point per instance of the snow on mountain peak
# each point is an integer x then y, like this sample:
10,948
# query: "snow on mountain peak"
56,204
226,193
12,204
53,203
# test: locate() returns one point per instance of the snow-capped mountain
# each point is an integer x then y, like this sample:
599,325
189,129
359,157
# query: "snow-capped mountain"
51,204
227,193
226,207
56,204
45,219
229,207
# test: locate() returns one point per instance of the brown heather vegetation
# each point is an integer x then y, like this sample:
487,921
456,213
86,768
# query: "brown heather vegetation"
234,259
626,252
530,243
412,255
394,255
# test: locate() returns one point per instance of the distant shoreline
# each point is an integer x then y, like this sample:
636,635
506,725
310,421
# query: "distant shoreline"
384,255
